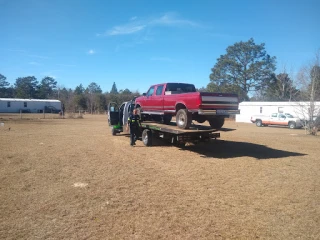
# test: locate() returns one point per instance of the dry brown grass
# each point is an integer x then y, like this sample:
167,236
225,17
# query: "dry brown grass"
253,183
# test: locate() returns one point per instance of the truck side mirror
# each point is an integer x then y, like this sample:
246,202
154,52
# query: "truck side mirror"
144,94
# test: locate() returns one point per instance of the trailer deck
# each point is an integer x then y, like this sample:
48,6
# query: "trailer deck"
176,135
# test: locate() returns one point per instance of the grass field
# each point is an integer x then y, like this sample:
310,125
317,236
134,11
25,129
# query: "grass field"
71,179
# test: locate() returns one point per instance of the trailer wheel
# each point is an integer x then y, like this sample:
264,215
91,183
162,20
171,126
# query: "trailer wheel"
292,125
147,137
113,131
183,119
216,123
259,123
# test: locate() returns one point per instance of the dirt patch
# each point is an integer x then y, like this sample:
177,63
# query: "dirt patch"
71,179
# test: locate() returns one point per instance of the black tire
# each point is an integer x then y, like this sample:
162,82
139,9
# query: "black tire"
201,119
113,131
292,125
183,119
216,123
259,123
147,137
167,119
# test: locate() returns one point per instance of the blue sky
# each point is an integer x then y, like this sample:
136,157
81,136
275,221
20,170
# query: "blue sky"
137,43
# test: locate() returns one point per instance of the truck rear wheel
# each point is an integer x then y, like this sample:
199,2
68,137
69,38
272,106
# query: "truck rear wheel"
147,137
216,123
183,119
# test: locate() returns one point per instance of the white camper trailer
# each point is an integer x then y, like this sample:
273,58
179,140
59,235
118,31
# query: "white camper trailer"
15,105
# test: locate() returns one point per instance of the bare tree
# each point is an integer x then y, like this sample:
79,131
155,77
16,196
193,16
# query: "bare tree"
309,81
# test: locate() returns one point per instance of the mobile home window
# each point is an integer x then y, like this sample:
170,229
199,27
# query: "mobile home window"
25,104
260,109
8,104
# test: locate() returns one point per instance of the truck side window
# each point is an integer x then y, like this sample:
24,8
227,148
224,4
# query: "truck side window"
150,92
159,90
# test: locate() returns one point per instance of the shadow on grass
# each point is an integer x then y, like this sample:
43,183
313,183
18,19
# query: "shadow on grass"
228,149
226,129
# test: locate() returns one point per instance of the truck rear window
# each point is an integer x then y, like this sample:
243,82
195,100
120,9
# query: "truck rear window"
180,87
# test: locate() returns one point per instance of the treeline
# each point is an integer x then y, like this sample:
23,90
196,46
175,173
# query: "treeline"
245,69
91,98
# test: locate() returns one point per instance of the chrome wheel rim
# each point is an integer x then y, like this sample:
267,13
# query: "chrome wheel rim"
181,120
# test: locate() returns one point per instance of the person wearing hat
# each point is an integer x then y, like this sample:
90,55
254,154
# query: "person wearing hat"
133,124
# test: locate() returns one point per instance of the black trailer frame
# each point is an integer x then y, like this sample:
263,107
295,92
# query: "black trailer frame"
175,135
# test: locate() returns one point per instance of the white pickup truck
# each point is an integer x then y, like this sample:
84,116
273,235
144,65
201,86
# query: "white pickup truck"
282,119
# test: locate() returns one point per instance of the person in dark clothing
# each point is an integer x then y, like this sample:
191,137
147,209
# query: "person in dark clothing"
133,124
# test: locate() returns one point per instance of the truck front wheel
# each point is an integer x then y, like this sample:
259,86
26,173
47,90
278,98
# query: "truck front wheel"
183,119
216,123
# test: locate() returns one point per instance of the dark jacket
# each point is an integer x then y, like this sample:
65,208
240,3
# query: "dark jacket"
134,121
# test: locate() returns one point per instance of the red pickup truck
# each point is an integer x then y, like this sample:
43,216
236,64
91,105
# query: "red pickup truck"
181,99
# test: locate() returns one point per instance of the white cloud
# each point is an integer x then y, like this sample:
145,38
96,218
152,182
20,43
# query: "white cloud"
125,29
171,19
91,52
34,63
135,25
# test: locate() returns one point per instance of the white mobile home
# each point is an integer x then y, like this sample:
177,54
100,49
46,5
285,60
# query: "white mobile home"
298,109
15,105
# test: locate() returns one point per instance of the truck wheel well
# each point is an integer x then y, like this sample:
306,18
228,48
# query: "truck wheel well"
180,106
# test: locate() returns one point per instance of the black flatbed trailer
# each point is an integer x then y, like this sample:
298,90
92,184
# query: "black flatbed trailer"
151,130
176,135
